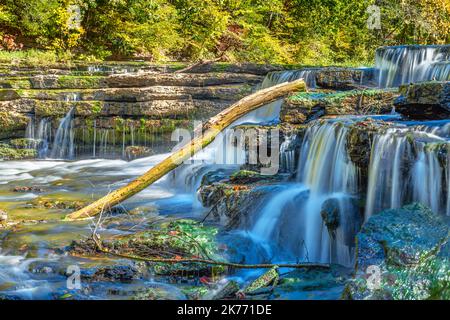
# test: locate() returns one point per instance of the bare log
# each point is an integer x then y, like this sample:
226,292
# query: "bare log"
210,130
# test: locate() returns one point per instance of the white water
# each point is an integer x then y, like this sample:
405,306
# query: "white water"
407,64
63,146
292,219
404,167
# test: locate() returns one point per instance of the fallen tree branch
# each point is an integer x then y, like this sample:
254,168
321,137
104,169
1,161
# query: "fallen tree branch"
210,130
210,262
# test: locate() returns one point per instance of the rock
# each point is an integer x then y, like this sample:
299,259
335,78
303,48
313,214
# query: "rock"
306,106
122,273
228,289
8,94
177,240
343,78
25,143
270,278
424,100
7,153
248,176
330,214
12,123
27,189
3,217
180,79
56,203
134,152
249,68
401,254
232,205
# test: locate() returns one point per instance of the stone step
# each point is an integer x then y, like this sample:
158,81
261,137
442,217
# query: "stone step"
225,92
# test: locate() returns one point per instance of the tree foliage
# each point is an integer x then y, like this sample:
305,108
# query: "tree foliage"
277,31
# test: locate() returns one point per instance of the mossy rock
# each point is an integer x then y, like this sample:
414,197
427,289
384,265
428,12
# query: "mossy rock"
25,143
8,153
7,95
179,239
408,249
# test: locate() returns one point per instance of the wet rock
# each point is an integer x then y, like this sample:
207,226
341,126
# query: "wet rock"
134,152
270,278
8,153
343,78
120,273
28,189
307,106
12,123
401,255
424,101
3,217
330,214
176,240
6,95
248,176
307,283
224,290
231,205
25,143
54,203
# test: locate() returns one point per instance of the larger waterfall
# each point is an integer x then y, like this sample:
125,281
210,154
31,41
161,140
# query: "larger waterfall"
406,64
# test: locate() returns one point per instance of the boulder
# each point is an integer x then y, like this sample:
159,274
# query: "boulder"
330,214
306,106
343,78
401,255
424,101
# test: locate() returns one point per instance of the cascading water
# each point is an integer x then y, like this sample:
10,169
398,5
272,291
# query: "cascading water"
41,135
406,64
63,146
271,111
406,166
287,154
223,153
325,176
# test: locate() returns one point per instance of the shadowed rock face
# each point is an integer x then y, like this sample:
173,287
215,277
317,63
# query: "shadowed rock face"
408,249
426,100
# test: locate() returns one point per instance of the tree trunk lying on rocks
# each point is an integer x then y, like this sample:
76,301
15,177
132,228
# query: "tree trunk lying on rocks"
210,130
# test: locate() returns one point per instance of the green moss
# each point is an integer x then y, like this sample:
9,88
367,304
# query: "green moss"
15,83
24,143
7,153
80,82
10,121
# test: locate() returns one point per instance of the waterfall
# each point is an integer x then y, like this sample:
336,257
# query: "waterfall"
287,154
221,153
271,111
406,64
41,135
293,219
405,167
63,146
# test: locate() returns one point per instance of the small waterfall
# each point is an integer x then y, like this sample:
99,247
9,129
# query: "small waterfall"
406,64
63,146
293,219
271,111
287,154
405,167
41,135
